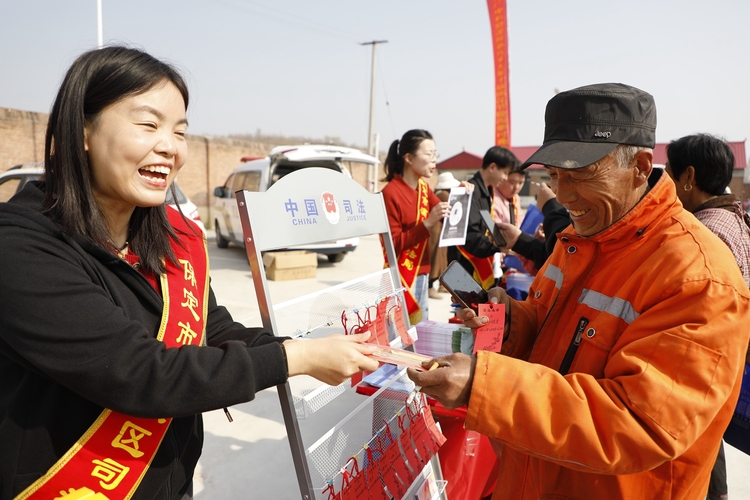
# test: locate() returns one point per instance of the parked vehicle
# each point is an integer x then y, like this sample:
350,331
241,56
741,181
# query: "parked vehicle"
261,174
14,179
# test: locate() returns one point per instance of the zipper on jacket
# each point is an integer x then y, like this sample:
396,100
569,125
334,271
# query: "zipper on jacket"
573,347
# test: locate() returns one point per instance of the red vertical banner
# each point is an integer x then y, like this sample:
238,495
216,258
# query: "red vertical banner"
499,27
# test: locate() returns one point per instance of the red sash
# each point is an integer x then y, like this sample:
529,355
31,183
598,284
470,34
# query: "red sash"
109,461
411,258
516,211
482,268
482,265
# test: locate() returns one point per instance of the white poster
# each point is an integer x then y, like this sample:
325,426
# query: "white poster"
456,224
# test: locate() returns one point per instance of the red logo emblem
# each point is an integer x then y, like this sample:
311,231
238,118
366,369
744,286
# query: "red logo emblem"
330,207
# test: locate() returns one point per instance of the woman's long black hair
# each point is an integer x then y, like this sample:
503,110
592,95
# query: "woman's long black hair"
409,144
97,79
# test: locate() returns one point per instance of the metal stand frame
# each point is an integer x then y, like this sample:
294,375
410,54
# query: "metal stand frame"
309,206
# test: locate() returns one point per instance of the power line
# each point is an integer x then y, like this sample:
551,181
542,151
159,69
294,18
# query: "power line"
387,101
287,19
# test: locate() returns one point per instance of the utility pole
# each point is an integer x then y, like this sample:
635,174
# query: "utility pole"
99,35
370,144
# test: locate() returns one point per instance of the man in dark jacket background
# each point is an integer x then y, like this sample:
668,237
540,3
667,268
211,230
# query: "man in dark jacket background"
476,255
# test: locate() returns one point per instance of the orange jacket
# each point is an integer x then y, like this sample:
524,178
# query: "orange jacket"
656,376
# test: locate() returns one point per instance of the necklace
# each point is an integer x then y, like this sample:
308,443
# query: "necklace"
120,250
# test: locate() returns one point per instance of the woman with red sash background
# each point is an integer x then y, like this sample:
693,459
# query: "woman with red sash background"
412,210
111,340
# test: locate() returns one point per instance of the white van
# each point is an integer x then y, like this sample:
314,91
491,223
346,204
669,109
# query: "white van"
260,174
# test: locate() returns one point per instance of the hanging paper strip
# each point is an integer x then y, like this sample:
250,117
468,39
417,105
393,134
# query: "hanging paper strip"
353,485
408,449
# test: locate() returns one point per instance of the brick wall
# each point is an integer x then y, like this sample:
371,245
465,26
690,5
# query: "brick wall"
210,159
21,137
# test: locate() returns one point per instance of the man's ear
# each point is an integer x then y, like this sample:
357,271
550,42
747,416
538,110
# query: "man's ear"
644,165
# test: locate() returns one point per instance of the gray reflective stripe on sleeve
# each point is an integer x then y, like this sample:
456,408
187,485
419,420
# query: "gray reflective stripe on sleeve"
555,274
613,305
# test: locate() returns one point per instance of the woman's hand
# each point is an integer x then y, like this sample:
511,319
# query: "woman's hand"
331,359
469,317
438,212
468,185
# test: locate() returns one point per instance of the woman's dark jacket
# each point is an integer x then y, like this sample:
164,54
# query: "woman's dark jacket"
78,334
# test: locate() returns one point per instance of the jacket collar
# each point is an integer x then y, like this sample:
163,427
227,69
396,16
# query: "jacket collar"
479,183
725,201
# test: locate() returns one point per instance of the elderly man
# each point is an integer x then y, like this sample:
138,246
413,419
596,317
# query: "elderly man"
620,372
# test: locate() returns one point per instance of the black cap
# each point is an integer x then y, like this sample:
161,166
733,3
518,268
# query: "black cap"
581,126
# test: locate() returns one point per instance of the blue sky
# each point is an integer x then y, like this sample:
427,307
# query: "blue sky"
296,67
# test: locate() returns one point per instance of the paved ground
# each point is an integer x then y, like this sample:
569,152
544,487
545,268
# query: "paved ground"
250,457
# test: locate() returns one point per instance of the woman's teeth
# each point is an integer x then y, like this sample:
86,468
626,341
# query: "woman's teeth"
156,169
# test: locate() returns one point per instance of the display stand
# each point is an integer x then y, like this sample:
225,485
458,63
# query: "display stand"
314,205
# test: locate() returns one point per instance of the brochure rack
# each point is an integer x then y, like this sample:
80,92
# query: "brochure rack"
314,205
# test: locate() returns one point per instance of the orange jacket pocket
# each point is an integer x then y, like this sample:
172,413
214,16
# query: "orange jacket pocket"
673,387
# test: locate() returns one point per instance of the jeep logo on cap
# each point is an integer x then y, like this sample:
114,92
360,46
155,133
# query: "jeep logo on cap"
605,135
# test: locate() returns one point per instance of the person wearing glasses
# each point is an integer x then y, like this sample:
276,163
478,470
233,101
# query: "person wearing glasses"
413,209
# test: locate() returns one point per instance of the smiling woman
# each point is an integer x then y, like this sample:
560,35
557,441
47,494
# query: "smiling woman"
135,147
109,121
111,340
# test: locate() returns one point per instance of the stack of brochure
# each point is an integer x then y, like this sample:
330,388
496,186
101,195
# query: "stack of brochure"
441,339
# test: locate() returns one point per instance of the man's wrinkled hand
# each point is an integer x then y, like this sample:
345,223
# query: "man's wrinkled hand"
497,296
450,383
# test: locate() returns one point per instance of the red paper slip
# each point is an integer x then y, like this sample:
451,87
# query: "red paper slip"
380,333
435,433
408,450
391,456
426,446
353,484
398,322
490,336
375,483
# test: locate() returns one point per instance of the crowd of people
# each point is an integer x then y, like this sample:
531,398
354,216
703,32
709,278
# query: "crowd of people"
617,376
